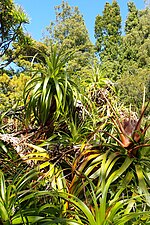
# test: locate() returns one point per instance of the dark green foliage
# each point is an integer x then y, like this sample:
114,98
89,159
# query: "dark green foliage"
135,56
108,38
11,20
136,41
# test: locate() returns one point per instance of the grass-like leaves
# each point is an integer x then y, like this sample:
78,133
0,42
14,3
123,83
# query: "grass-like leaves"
50,92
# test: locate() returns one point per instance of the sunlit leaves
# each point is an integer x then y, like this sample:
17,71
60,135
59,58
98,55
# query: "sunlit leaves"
50,92
12,19
11,90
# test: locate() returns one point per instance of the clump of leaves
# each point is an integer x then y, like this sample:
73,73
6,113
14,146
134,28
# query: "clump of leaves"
130,131
50,92
11,90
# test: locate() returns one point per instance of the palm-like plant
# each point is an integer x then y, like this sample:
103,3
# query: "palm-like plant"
50,92
11,196
95,84
98,191
21,201
117,168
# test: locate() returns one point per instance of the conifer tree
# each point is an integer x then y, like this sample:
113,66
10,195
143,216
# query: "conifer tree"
135,55
132,19
137,39
108,38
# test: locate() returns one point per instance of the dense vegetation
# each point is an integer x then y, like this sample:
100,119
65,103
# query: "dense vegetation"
74,119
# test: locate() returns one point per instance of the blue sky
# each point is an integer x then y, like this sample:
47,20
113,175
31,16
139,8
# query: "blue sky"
41,12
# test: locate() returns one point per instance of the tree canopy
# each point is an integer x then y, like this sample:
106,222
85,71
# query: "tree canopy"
108,38
69,30
12,19
136,54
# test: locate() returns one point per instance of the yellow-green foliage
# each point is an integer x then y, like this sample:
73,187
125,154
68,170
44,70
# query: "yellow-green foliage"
11,90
